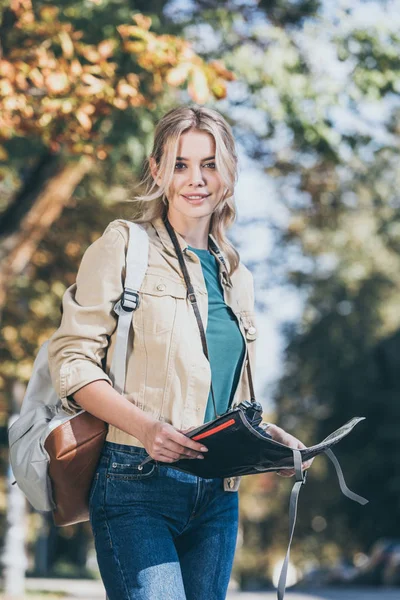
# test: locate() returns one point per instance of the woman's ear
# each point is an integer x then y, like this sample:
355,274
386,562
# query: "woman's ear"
154,170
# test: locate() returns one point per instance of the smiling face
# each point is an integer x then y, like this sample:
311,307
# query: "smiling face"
196,186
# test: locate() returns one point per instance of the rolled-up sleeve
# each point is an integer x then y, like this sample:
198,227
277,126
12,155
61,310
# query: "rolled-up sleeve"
78,346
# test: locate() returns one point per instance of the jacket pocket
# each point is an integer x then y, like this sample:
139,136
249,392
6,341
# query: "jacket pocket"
248,320
159,301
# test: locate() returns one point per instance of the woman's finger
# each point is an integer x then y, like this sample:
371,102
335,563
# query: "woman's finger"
184,431
308,463
286,472
186,442
167,455
181,450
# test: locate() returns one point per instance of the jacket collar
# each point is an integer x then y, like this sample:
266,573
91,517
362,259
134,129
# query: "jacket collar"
162,232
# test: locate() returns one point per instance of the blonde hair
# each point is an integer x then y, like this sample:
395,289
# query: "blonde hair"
154,203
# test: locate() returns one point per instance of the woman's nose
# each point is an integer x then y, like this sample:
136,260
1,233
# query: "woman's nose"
196,175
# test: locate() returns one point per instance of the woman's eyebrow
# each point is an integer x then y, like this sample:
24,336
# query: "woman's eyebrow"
183,158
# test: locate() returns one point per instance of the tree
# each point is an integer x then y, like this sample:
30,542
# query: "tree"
70,83
315,104
81,87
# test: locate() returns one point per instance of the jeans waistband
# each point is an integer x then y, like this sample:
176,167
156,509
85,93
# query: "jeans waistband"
110,446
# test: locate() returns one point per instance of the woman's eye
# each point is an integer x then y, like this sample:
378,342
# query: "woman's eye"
180,164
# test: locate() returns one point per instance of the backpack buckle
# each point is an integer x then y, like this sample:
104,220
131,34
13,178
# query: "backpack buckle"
129,300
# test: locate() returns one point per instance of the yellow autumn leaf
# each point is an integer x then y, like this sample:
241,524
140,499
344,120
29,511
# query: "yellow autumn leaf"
133,79
89,109
36,77
3,153
28,112
84,120
96,84
76,68
72,249
67,107
57,82
132,30
218,88
220,69
134,47
106,48
142,21
120,103
179,74
198,86
48,13
66,44
101,154
90,53
13,102
6,88
45,119
125,90
138,100
21,82
9,333
7,69
52,104
17,5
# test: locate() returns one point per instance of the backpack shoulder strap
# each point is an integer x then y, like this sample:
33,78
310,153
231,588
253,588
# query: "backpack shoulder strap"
136,265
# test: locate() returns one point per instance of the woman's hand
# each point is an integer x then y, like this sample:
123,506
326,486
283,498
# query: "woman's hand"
279,435
166,444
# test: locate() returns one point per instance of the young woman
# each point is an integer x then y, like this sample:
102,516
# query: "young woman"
160,533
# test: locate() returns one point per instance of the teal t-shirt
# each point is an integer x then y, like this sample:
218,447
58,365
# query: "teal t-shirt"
226,346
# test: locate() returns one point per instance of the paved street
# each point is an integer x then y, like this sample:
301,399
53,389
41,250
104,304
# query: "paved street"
343,594
93,590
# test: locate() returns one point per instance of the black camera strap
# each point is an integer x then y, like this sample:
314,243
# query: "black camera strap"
193,300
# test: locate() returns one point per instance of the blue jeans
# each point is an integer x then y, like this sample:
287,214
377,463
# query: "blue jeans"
160,534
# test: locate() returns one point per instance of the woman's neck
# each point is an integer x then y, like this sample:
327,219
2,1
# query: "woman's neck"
194,231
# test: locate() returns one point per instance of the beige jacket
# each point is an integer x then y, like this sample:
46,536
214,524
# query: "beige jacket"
167,372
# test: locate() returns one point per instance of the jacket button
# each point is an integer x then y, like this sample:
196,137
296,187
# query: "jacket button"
161,287
252,330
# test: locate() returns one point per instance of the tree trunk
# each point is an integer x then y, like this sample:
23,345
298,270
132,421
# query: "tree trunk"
34,209
14,558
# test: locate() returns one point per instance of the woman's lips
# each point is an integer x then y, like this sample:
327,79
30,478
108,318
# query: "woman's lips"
195,200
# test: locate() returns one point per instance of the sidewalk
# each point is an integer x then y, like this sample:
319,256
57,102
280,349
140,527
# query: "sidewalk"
93,590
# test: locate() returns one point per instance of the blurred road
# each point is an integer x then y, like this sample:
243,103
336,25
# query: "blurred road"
337,594
93,590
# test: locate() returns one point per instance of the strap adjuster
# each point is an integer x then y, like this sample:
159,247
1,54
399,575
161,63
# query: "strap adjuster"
129,300
192,297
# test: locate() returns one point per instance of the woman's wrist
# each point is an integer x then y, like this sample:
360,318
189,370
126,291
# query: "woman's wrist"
103,401
141,423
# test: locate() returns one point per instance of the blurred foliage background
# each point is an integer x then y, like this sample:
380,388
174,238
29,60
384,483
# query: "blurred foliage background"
312,92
